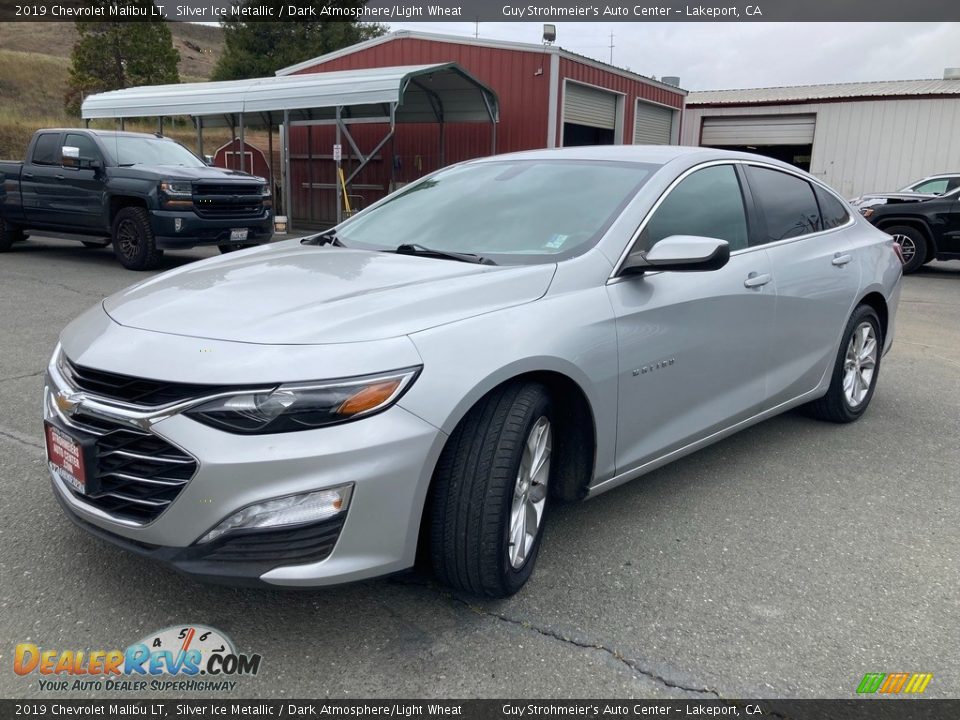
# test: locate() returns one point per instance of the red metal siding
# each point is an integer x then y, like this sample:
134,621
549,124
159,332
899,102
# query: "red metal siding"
521,80
632,89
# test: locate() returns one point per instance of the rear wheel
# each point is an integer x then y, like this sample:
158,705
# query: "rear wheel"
133,240
9,234
912,244
489,498
855,371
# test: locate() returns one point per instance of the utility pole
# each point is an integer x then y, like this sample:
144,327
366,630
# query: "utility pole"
476,28
611,48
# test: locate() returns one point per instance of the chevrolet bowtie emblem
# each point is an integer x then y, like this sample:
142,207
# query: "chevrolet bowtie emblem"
67,402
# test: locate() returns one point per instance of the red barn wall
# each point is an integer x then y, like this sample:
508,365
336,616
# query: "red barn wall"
521,80
259,167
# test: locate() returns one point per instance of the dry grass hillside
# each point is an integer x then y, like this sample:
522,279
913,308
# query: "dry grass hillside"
34,65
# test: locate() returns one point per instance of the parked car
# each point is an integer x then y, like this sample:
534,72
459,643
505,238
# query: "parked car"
927,228
142,192
499,335
926,188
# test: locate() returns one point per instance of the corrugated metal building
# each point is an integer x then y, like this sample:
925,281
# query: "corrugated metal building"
549,97
857,137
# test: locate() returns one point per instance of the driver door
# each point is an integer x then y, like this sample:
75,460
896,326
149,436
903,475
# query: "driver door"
693,346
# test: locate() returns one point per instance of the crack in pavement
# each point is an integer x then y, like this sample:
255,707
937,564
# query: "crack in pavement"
21,377
634,665
20,438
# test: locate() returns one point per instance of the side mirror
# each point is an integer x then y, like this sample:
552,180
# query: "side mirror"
208,159
680,253
70,156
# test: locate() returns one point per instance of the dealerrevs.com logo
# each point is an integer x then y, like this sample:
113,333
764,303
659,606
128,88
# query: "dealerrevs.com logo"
177,658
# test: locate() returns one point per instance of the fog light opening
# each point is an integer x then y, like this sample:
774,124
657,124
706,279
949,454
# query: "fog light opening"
290,510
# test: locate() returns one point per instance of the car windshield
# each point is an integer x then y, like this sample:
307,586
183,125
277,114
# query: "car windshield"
512,211
131,150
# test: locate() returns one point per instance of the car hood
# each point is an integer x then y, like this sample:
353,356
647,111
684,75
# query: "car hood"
871,199
180,172
294,294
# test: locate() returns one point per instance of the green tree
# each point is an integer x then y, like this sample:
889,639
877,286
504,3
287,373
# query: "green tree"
259,49
110,55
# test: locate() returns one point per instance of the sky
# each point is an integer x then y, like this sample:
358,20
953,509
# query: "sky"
720,56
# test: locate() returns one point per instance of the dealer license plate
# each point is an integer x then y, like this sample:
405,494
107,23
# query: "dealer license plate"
238,234
66,458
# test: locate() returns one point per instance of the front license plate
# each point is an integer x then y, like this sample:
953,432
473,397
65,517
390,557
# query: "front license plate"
67,458
238,234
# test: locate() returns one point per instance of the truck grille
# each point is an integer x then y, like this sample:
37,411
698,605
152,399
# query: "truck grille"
227,200
141,391
140,473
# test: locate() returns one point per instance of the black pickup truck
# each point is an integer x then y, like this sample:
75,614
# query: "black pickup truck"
142,192
927,227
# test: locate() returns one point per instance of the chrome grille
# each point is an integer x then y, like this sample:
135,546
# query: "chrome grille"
140,473
136,390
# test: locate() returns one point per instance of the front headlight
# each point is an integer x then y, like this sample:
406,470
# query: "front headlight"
867,212
177,188
304,406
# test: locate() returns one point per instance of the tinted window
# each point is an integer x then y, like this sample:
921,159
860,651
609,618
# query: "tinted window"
832,211
47,149
933,187
787,204
708,203
86,146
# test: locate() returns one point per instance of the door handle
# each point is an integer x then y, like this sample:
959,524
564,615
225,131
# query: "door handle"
59,177
28,176
841,259
754,280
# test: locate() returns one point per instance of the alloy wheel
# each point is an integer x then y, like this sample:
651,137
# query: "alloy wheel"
907,246
860,364
530,492
128,238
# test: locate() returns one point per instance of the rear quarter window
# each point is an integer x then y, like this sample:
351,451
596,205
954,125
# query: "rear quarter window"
832,211
786,202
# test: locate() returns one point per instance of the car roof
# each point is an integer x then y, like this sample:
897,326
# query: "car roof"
106,133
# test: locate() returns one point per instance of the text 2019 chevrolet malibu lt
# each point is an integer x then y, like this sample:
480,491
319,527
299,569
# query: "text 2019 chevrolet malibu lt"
502,334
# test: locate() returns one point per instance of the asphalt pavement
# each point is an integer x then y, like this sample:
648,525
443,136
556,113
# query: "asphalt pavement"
786,561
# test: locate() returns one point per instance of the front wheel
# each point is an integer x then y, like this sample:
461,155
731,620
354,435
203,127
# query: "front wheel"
133,240
489,497
855,371
912,244
9,234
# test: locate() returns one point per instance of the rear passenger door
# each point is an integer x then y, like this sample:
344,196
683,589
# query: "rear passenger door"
39,184
816,276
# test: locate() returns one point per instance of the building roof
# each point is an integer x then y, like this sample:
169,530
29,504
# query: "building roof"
478,42
835,91
365,93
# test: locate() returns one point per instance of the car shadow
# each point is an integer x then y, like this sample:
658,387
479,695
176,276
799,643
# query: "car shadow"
75,252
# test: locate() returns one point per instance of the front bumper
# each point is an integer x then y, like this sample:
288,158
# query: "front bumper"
388,457
195,230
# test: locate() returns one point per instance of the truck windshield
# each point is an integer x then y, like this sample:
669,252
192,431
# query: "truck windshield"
511,211
126,150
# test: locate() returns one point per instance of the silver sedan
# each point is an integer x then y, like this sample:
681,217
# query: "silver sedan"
442,368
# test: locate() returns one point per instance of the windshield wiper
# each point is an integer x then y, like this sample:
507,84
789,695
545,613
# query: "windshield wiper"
415,249
327,237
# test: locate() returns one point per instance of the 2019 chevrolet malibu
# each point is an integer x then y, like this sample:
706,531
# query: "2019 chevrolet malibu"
440,368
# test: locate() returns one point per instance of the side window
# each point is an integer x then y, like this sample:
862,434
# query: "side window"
787,203
86,146
953,184
708,203
832,211
933,187
47,149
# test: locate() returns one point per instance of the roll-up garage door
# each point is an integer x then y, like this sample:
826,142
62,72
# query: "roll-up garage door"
758,130
584,105
653,125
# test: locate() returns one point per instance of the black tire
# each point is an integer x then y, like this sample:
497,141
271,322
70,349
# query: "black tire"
834,406
473,493
913,245
133,241
95,243
9,234
230,247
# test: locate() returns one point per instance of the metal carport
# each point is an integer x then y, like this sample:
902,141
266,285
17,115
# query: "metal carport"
438,93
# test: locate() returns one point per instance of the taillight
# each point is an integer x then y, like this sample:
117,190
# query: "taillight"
899,252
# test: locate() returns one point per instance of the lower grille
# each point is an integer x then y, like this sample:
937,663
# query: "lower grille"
140,474
293,546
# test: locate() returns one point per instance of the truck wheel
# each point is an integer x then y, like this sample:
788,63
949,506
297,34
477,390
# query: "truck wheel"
489,499
9,234
95,243
133,241
912,244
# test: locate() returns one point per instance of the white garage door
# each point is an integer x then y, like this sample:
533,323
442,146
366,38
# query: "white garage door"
759,130
653,124
589,106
